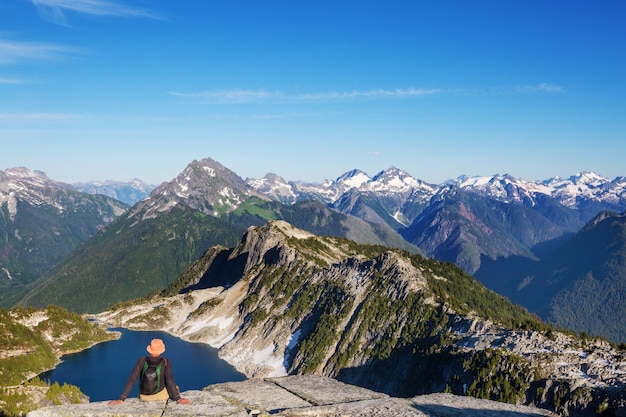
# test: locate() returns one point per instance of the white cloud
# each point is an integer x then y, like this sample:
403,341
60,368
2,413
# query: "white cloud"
12,52
54,10
256,96
540,88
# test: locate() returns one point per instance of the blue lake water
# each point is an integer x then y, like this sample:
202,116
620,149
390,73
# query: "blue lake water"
102,370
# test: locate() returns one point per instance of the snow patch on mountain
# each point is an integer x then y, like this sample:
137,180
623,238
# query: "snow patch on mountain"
584,186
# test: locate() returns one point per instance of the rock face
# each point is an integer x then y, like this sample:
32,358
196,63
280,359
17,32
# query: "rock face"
297,396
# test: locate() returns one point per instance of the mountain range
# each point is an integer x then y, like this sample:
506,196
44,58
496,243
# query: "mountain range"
498,228
468,219
146,247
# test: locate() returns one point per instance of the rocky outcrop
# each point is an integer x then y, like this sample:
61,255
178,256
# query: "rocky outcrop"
370,317
296,396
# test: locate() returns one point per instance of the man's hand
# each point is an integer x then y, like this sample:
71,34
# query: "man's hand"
115,402
183,401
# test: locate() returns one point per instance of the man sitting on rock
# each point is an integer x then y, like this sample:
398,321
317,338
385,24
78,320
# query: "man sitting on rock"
154,373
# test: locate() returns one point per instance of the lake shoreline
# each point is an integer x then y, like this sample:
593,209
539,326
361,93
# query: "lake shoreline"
195,364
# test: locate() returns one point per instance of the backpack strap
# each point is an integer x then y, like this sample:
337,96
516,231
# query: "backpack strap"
144,367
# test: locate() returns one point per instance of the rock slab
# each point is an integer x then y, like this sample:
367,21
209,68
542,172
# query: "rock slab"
296,396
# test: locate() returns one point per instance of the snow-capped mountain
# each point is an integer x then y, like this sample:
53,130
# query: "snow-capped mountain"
400,191
589,186
392,181
468,219
571,192
275,187
290,192
129,192
35,188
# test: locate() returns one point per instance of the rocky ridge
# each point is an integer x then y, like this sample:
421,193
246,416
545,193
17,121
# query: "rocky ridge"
297,396
243,323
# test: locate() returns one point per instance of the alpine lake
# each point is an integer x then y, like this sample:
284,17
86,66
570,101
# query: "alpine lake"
102,370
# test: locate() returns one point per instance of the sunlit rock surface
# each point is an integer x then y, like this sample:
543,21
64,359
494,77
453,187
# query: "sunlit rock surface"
296,396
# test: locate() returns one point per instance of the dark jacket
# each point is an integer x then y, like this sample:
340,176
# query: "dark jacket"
169,382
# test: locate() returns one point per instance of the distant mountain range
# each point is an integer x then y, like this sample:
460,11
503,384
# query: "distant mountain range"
469,220
498,228
128,192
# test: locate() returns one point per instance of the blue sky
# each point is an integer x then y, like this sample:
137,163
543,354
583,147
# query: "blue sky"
103,89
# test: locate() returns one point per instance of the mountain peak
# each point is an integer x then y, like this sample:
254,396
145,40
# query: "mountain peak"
204,185
589,178
352,179
25,172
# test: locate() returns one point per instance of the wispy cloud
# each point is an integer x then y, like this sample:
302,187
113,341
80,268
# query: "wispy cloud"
54,11
232,96
288,115
235,96
39,117
242,96
12,52
10,81
540,88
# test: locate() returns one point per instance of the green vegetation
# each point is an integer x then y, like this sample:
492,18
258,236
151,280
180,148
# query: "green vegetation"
465,295
131,259
586,279
25,352
61,394
28,350
32,341
255,208
205,306
332,305
39,236
19,400
155,318
15,403
498,375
